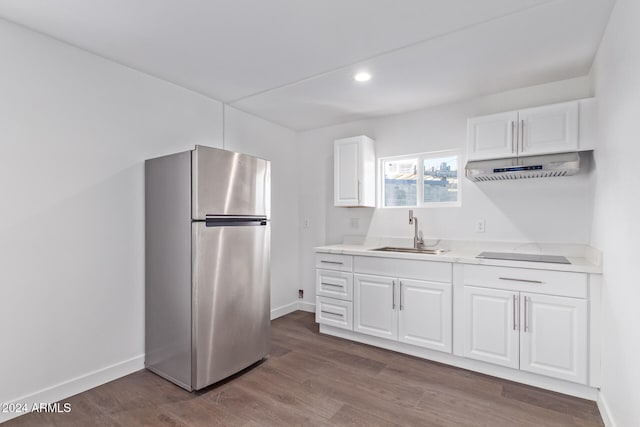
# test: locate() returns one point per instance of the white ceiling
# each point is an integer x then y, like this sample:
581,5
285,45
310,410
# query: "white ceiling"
292,61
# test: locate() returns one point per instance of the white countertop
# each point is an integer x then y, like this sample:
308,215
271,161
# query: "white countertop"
585,262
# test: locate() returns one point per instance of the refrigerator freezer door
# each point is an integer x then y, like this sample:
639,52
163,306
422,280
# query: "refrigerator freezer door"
231,299
228,183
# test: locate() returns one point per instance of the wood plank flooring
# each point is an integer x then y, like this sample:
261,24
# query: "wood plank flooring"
315,380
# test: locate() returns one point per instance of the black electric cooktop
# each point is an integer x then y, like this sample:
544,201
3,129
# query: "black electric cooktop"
556,259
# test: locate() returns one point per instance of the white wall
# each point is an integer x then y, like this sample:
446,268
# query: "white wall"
551,210
74,132
617,209
248,134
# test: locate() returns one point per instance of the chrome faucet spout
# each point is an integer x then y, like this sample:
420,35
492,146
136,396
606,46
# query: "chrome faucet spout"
418,242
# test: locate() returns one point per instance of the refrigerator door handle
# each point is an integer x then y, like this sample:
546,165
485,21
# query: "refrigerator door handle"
234,221
232,217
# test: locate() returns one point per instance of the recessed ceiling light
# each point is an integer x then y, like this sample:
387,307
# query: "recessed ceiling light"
362,77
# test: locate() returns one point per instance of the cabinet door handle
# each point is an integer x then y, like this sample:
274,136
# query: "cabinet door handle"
358,191
522,142
515,303
513,136
393,295
331,312
525,315
401,306
331,284
520,280
332,262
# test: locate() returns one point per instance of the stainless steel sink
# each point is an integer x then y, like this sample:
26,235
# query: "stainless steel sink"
411,250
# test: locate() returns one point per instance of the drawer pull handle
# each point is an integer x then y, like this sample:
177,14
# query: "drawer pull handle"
331,284
331,312
332,262
520,280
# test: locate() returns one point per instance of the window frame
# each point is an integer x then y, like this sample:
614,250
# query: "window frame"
420,157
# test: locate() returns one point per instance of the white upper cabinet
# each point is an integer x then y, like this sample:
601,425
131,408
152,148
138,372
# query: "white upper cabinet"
548,129
354,166
492,137
533,131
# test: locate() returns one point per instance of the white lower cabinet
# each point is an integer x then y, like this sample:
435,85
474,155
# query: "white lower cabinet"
553,337
424,316
490,329
543,334
334,284
334,290
411,311
375,306
334,312
533,320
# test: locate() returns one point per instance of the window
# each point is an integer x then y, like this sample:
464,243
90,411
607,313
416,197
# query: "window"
400,182
428,179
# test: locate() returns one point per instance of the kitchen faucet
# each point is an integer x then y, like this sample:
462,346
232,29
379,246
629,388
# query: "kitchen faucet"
417,241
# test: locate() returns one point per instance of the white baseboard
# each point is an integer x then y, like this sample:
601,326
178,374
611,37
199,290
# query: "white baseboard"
291,307
284,309
605,412
77,385
307,306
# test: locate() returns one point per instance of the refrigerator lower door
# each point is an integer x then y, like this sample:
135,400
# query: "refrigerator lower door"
231,298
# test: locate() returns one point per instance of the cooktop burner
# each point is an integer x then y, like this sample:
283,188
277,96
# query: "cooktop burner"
556,259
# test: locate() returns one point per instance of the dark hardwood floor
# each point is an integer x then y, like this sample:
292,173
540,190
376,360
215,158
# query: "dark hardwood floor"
315,380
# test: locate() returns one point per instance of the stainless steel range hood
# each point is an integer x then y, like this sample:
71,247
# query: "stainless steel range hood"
549,165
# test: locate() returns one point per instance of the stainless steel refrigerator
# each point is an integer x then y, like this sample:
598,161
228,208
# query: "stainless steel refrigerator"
207,265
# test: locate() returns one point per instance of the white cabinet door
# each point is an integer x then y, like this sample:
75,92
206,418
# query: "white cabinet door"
346,172
354,170
492,137
553,337
490,328
375,306
549,129
424,315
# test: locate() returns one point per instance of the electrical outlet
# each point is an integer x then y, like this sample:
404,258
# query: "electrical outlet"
300,293
480,226
355,223
306,223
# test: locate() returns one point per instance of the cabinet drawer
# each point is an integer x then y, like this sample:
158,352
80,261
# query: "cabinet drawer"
407,268
334,312
559,283
334,284
334,262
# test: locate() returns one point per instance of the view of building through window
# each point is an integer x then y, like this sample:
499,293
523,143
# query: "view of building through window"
441,180
405,184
